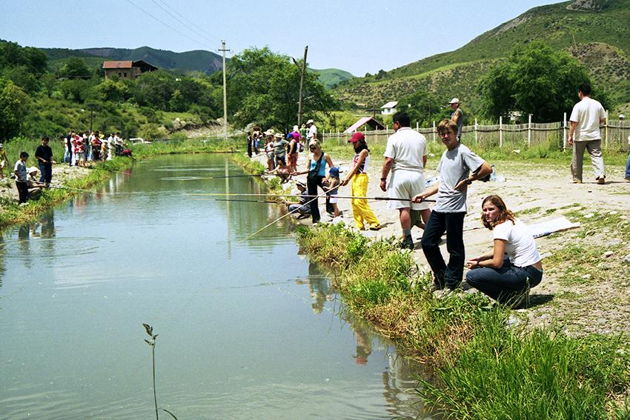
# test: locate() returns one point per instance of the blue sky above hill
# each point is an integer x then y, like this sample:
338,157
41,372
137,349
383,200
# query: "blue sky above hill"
357,36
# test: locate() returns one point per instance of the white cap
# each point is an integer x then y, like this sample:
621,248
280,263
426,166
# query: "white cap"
310,122
454,101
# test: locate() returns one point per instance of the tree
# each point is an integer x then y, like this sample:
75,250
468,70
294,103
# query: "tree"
264,87
154,89
13,108
535,80
75,68
422,106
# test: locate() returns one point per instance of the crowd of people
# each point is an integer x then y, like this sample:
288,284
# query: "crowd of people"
80,149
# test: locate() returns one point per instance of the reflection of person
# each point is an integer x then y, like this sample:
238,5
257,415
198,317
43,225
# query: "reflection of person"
364,346
457,116
361,211
406,157
450,209
505,279
44,156
584,133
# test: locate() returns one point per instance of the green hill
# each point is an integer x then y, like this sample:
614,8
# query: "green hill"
332,77
189,61
594,31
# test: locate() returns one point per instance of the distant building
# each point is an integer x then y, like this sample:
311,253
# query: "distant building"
363,123
126,69
389,108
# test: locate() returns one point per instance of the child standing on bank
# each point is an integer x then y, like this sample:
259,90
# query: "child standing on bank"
21,181
332,182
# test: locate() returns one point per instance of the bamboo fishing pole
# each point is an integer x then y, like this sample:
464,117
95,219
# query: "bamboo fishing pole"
308,196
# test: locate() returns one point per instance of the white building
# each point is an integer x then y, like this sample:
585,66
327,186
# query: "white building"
389,108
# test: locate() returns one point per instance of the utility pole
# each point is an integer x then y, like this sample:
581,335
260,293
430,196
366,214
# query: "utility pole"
299,122
223,50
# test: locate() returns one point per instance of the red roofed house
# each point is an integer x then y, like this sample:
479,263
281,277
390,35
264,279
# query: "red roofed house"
126,69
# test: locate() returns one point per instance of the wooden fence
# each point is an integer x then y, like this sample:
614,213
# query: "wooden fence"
615,134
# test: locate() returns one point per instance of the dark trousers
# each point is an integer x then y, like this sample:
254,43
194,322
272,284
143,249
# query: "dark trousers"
249,148
22,188
504,284
45,169
312,183
453,224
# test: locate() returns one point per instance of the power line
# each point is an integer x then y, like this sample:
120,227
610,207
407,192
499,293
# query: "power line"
166,24
190,25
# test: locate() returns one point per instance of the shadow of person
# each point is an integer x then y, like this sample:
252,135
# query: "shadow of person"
537,300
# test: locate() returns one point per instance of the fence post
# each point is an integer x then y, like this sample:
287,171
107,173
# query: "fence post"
529,131
387,130
476,133
433,132
501,131
564,132
606,127
417,126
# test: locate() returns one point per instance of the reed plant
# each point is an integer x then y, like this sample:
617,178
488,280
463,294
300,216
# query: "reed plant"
483,368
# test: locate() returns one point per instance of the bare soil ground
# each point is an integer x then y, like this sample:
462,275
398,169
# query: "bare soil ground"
586,286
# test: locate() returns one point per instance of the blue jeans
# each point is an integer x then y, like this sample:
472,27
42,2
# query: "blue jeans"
628,168
45,169
453,224
506,283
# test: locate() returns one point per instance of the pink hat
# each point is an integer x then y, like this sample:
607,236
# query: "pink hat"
356,137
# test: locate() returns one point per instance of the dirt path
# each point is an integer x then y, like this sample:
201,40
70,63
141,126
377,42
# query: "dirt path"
586,287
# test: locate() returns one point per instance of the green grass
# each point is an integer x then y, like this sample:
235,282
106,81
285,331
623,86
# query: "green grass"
483,369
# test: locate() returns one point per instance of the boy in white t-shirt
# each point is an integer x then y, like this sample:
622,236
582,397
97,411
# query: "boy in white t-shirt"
586,117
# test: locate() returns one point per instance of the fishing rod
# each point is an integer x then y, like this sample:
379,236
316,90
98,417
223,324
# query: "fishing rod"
234,176
307,196
248,201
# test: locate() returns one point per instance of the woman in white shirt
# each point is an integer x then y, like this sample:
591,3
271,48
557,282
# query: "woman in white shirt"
505,278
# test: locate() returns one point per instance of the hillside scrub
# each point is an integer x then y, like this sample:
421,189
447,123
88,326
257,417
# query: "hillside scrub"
482,368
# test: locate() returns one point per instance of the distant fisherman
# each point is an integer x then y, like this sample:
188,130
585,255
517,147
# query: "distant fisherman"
457,116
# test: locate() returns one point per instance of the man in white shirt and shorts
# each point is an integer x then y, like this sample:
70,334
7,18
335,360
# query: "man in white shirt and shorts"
405,156
584,133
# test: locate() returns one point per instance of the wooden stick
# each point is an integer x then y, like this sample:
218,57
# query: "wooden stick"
309,196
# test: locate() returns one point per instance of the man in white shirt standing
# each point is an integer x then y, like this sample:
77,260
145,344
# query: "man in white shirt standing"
586,117
312,130
406,157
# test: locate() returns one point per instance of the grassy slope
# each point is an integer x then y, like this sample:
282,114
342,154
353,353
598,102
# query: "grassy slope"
457,73
332,77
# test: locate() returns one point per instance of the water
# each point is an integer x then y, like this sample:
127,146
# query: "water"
247,328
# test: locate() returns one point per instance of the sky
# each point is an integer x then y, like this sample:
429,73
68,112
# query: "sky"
359,36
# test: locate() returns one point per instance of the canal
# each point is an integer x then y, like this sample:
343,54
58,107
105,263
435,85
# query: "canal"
247,328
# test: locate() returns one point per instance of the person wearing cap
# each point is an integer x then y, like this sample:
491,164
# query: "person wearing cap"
21,174
44,156
457,116
269,150
586,117
302,208
312,130
332,183
406,157
4,160
458,168
280,149
361,211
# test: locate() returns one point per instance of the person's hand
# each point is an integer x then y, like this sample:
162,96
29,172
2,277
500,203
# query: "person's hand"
570,140
418,198
463,184
344,182
473,263
383,185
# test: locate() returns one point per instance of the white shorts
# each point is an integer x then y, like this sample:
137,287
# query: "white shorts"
406,184
332,199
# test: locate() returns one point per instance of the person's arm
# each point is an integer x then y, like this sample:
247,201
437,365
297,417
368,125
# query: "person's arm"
308,168
483,170
572,127
387,166
424,161
328,160
493,260
425,194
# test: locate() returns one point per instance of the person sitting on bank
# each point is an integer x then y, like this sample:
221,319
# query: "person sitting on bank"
506,279
303,209
281,170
